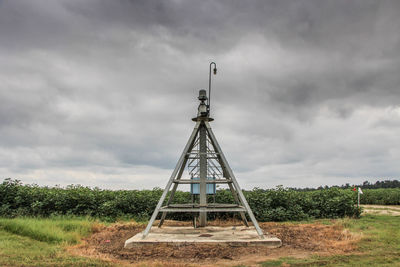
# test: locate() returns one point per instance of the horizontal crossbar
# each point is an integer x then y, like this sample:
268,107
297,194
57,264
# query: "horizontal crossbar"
201,209
199,158
209,205
192,181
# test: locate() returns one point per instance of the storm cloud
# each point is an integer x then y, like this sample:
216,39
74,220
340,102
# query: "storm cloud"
101,93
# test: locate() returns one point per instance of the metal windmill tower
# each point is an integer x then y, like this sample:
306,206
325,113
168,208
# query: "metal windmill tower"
207,167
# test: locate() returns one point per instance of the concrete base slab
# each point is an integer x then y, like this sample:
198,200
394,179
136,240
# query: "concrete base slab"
177,236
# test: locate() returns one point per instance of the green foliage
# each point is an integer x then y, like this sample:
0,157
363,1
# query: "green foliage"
279,204
50,230
387,196
41,241
282,204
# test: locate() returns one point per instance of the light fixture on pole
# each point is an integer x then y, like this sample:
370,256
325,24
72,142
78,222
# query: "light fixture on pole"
209,85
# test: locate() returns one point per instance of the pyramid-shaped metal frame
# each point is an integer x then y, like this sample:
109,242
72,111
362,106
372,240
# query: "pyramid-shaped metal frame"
203,126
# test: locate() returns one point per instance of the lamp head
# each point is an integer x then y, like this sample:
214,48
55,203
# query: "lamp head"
215,70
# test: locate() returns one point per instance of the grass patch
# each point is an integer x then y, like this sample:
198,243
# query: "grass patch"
52,230
379,245
40,242
378,209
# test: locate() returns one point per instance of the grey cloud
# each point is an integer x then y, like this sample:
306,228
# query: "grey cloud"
306,92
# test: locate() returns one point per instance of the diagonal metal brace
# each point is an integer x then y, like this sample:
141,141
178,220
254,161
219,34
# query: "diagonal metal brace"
171,179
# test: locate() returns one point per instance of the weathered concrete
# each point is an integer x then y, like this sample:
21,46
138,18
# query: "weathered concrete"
231,236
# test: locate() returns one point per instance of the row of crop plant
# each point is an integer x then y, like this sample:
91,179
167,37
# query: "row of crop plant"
278,204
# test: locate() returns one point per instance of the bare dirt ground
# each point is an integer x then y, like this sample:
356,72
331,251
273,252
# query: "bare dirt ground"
299,240
382,209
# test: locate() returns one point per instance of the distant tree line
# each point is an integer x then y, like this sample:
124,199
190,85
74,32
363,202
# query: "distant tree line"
364,185
381,184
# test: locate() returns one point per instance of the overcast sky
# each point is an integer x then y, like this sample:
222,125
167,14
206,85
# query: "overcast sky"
101,93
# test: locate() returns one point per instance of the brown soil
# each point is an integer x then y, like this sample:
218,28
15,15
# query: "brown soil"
299,240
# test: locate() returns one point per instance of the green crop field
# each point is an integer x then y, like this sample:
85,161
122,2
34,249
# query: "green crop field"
279,204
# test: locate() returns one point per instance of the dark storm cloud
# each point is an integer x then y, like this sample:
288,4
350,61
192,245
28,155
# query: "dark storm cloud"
307,92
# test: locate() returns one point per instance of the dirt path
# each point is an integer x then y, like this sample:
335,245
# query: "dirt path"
299,240
382,209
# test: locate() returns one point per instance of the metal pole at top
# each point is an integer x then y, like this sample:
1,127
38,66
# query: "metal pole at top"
209,86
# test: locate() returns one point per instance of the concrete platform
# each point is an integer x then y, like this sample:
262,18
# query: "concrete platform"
230,236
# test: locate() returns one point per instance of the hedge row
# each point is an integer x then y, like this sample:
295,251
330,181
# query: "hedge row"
382,196
278,204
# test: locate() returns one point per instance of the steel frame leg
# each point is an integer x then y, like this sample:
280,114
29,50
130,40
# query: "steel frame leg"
171,179
171,197
232,176
234,194
242,215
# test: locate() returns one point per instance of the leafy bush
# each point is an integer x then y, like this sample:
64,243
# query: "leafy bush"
382,196
279,204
